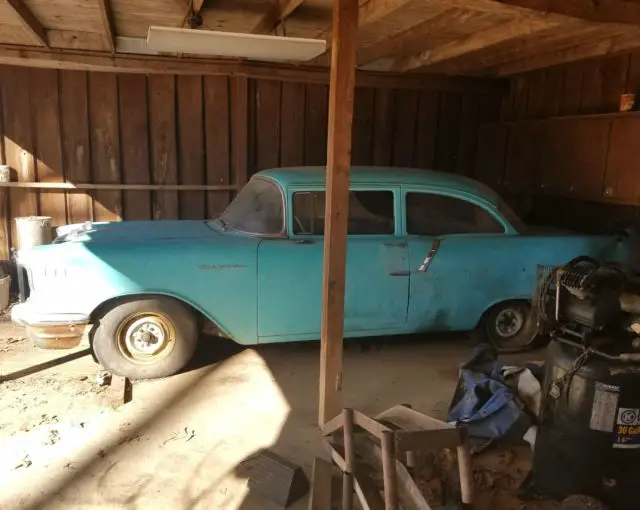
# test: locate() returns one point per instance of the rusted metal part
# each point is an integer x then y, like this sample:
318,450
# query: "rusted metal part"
349,457
58,336
435,245
389,474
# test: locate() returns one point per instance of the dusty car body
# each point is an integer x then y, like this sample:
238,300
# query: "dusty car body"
426,251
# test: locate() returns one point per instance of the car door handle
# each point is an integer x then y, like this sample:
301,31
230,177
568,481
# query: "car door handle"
303,241
394,245
400,273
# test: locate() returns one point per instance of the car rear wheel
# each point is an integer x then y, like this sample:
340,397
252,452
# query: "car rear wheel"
145,338
509,328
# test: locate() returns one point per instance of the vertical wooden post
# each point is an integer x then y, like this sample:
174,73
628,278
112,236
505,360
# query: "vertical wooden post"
389,473
341,91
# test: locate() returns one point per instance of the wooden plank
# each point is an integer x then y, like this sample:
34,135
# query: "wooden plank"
633,76
134,140
320,496
415,440
591,96
341,95
468,137
105,144
217,140
18,143
535,94
371,425
490,159
276,12
107,22
164,161
406,115
621,177
191,145
572,91
609,11
268,96
158,64
411,420
5,241
29,21
553,86
119,186
521,159
614,80
519,97
426,130
362,134
448,131
74,113
292,129
315,125
239,129
44,92
384,109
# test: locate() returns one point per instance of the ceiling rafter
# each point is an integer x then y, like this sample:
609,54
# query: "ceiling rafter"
602,11
276,13
107,21
611,46
493,36
30,22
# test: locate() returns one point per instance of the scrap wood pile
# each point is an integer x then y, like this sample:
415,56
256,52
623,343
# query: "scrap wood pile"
430,467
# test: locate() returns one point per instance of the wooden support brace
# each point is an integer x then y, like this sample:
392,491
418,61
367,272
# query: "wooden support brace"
320,497
341,92
119,392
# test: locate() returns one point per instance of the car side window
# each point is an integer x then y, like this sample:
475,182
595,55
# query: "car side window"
434,215
370,213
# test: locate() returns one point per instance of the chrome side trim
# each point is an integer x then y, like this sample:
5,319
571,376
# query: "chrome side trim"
435,245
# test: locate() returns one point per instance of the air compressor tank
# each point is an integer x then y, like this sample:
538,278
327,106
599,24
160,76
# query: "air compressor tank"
588,438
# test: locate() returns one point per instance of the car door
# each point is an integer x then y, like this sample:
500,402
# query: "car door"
377,276
459,255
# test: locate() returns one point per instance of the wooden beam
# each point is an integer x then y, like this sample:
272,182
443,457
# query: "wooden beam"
612,46
107,21
276,13
341,92
601,11
492,36
29,21
98,61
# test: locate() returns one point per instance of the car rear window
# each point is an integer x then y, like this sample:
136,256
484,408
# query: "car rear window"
434,215
370,212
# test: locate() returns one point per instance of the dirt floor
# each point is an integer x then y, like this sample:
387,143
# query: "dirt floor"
181,443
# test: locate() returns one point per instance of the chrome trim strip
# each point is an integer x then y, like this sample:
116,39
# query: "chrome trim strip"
435,245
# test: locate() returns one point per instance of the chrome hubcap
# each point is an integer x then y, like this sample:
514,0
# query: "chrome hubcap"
509,322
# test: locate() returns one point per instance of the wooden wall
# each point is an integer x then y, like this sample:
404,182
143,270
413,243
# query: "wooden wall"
91,127
564,154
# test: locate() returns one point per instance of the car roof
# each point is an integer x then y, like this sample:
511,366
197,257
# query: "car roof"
316,176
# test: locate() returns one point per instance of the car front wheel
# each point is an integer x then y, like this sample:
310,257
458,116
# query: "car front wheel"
145,337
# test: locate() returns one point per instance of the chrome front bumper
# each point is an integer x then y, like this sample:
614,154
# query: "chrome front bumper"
51,330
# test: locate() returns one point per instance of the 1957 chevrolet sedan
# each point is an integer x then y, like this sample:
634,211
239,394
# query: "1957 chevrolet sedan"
427,251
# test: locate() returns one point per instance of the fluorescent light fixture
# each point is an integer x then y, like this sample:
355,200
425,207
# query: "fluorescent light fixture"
230,44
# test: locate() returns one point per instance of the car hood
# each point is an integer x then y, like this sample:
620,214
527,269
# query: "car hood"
134,231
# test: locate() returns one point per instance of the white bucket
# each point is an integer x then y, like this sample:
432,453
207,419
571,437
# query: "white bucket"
5,284
34,231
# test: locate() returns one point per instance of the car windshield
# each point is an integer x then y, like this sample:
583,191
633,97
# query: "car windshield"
256,210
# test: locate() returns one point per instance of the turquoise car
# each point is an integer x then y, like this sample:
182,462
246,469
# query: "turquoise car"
427,251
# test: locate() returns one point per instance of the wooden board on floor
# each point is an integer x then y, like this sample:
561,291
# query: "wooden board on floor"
164,164
46,124
217,141
105,144
191,145
74,113
134,141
